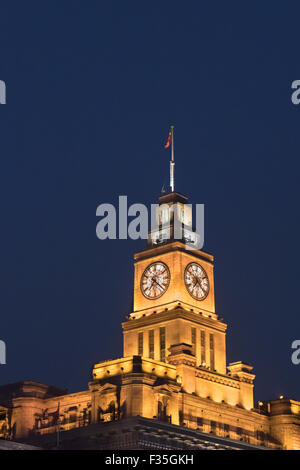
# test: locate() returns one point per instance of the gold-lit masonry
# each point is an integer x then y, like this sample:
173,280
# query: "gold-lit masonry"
173,373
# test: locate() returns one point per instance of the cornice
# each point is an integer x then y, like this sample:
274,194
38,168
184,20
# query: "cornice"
217,378
174,314
171,247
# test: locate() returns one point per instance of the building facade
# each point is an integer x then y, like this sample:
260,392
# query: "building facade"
173,379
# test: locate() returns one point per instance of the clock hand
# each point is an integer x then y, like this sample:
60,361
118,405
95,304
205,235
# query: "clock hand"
158,284
199,285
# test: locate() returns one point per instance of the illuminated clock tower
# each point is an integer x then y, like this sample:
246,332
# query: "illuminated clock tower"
174,342
174,302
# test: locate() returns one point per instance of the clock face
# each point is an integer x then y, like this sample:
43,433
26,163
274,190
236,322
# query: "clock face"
155,280
196,281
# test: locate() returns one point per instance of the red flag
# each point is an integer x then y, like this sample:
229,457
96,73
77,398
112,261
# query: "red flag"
168,143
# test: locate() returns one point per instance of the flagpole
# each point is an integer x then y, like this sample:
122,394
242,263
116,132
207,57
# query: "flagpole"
172,162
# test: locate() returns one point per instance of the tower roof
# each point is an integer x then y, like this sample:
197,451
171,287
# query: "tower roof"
172,197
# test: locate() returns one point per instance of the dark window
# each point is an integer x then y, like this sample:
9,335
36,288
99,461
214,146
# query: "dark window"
199,422
260,435
162,337
213,426
162,412
212,351
203,355
151,344
140,344
193,334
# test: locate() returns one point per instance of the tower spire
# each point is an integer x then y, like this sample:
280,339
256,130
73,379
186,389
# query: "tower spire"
172,162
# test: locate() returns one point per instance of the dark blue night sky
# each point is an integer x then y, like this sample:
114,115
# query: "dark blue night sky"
92,88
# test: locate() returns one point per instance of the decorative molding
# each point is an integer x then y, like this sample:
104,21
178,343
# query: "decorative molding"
217,379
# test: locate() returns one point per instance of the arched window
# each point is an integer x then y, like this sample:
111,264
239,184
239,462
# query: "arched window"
162,411
112,410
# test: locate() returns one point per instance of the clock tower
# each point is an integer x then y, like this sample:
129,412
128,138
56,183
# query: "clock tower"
174,303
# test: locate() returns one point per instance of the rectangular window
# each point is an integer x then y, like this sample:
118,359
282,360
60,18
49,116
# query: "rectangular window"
162,339
140,344
213,426
203,346
199,422
260,435
193,334
212,351
151,344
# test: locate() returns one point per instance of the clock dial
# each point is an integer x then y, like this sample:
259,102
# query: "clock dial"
155,280
196,281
